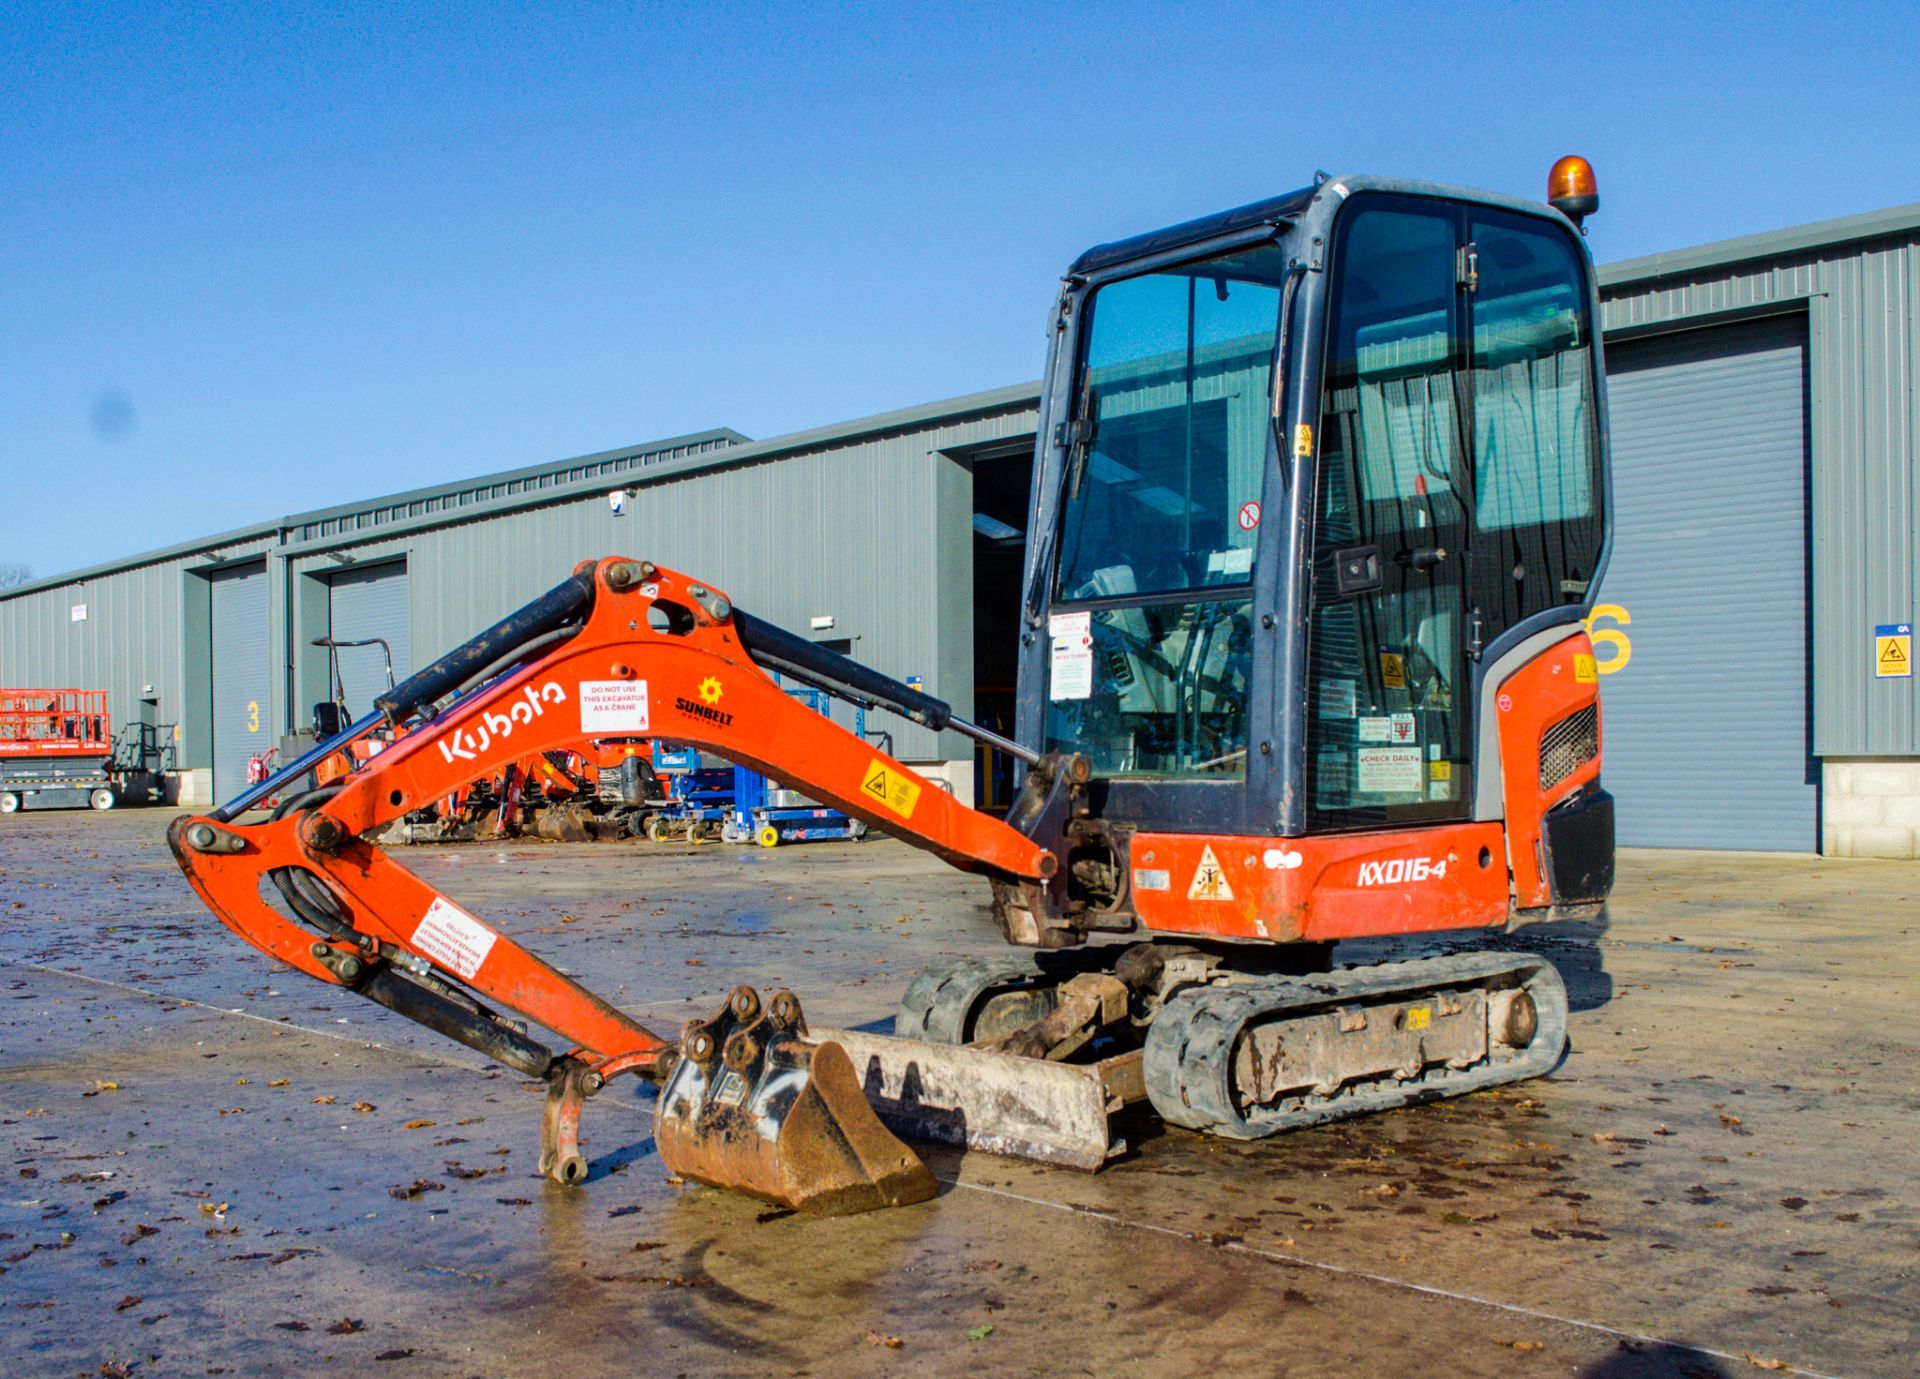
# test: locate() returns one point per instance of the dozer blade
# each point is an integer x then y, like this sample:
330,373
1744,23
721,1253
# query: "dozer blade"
756,1106
1026,1108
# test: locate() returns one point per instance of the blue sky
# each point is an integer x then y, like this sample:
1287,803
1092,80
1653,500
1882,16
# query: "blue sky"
257,259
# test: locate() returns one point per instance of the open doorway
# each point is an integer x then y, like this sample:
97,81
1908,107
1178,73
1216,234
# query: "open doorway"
1000,483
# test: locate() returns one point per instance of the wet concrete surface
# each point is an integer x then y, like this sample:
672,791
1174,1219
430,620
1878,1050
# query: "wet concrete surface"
203,1152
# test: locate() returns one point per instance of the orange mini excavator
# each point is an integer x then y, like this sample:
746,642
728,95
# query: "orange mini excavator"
1319,506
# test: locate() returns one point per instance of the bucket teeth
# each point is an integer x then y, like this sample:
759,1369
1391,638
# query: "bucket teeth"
755,1106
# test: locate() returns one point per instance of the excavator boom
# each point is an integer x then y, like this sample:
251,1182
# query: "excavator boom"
622,649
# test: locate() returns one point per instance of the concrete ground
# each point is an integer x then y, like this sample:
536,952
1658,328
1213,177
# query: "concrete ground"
218,1167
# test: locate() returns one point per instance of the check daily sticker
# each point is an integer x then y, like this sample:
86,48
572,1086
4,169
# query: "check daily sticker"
453,938
1390,770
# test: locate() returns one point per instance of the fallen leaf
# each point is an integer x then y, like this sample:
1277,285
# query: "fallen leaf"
130,1300
1728,1120
324,1100
141,1232
1793,1203
106,1086
1521,1345
417,1125
278,1082
981,1332
1761,1362
569,919
394,1354
890,1342
346,1326
415,1188
291,1326
364,1106
1383,1190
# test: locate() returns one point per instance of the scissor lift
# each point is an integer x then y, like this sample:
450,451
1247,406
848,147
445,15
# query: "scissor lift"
56,748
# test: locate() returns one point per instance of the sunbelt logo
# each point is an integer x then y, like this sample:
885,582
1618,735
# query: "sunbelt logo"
496,725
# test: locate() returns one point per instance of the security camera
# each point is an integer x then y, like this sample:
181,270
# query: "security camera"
617,500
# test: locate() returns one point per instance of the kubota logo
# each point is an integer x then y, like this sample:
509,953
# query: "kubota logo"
495,726
1395,870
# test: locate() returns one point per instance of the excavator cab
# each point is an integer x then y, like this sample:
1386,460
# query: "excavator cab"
1315,478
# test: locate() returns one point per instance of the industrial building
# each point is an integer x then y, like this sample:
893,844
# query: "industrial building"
1763,403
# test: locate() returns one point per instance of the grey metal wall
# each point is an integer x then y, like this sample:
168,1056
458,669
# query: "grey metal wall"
137,632
1707,732
365,603
242,655
1861,301
853,531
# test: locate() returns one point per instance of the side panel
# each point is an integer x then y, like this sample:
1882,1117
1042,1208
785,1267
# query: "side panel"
1348,885
1549,717
242,674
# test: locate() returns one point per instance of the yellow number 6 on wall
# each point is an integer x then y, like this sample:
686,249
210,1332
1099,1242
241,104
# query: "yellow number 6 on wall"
1612,637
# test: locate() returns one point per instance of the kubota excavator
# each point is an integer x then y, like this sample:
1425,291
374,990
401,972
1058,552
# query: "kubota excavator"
1319,505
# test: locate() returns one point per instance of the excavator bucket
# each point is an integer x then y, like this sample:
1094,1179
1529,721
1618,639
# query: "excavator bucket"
755,1106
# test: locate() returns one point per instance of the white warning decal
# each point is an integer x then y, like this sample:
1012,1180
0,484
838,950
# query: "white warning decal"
613,706
453,938
1209,882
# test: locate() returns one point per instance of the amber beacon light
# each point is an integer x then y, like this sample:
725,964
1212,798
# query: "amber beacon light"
1571,189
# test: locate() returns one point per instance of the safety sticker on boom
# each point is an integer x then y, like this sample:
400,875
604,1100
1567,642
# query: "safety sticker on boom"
1209,882
891,788
613,706
453,938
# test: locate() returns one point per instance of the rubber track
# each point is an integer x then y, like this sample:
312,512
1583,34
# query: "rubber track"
939,999
1190,1047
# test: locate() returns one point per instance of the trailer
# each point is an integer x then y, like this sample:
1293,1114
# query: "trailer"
56,748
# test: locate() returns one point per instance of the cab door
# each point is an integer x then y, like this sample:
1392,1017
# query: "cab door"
1388,612
1459,490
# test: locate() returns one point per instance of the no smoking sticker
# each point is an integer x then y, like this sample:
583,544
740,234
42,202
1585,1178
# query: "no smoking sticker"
1249,516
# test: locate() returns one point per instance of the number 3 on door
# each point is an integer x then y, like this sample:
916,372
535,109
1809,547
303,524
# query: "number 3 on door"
1621,644
253,714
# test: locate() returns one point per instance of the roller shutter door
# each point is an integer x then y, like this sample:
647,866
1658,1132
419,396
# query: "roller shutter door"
1709,725
242,675
369,603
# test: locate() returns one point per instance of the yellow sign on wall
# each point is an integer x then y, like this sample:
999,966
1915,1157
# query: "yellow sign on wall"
1893,651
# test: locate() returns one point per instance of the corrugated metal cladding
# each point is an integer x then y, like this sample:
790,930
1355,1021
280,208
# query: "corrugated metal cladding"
1860,299
362,605
851,531
450,499
242,652
133,634
1708,731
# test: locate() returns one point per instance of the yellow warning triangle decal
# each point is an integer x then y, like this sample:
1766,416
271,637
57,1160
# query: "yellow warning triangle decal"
1209,882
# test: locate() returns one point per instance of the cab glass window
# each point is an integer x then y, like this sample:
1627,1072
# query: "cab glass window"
1170,429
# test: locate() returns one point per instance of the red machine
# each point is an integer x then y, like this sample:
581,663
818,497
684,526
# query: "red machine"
1319,504
56,748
